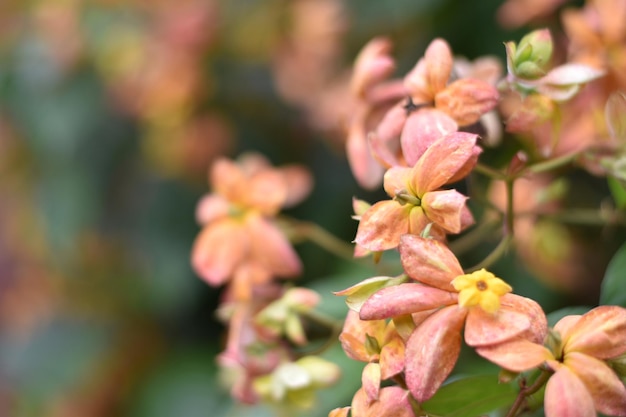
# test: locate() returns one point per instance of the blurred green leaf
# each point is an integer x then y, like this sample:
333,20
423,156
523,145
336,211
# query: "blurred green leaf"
471,397
618,191
612,291
557,315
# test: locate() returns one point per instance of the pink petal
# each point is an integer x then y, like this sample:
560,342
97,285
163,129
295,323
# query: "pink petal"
366,170
517,355
227,179
442,160
466,100
484,329
445,208
265,191
372,65
392,401
432,351
218,249
531,309
382,225
606,389
571,73
271,249
422,128
396,180
600,333
429,261
210,208
404,299
465,170
566,395
299,183
417,84
439,62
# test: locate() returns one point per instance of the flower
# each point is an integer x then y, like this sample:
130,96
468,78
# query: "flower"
393,401
417,202
481,288
441,312
239,240
579,347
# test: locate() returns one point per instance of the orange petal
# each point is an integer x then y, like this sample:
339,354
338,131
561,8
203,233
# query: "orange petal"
392,358
299,183
265,191
271,249
382,225
432,351
441,161
429,261
227,179
531,309
606,389
396,180
354,333
218,249
417,84
439,62
445,208
370,379
517,355
600,333
566,395
339,412
366,170
392,401
484,329
422,128
211,207
466,100
372,65
404,299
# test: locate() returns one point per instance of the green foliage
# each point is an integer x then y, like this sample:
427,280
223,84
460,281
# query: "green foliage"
615,280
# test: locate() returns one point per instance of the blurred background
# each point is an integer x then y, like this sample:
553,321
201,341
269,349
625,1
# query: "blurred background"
111,112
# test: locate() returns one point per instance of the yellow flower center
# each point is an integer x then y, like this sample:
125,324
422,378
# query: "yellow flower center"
481,288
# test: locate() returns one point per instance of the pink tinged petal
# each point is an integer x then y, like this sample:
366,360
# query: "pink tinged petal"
531,309
445,208
432,351
569,74
354,333
565,324
600,333
566,395
366,170
271,249
210,208
370,379
339,412
299,184
422,128
227,179
466,100
392,358
517,355
417,84
429,261
417,220
441,161
372,65
404,299
465,170
246,277
606,389
382,225
396,180
439,63
484,329
218,249
392,401
266,191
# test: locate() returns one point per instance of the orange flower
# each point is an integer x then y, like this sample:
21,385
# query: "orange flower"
582,383
239,240
417,202
442,311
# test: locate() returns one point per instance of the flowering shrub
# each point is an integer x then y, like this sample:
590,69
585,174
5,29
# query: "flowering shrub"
434,140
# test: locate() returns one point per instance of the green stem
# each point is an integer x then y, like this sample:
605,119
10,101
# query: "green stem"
334,325
489,172
472,238
318,235
548,165
494,255
527,391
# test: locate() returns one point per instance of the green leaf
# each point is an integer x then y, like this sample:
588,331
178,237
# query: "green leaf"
614,282
470,397
618,191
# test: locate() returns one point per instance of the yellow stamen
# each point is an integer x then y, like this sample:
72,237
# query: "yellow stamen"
481,288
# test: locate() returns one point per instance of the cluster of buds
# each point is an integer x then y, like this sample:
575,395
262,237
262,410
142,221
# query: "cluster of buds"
242,246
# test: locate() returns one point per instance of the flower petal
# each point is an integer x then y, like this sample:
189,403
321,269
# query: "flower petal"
466,100
600,333
572,73
442,160
566,395
370,379
445,208
392,401
271,249
396,180
606,389
483,329
299,183
429,261
365,168
218,249
211,207
422,128
392,358
432,351
439,62
404,299
372,65
382,225
516,355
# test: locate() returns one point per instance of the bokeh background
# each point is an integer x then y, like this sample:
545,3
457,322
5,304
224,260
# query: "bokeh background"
111,112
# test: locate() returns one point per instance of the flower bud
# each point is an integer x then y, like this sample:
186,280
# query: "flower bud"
532,55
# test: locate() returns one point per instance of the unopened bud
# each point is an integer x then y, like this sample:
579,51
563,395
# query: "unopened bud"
533,54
